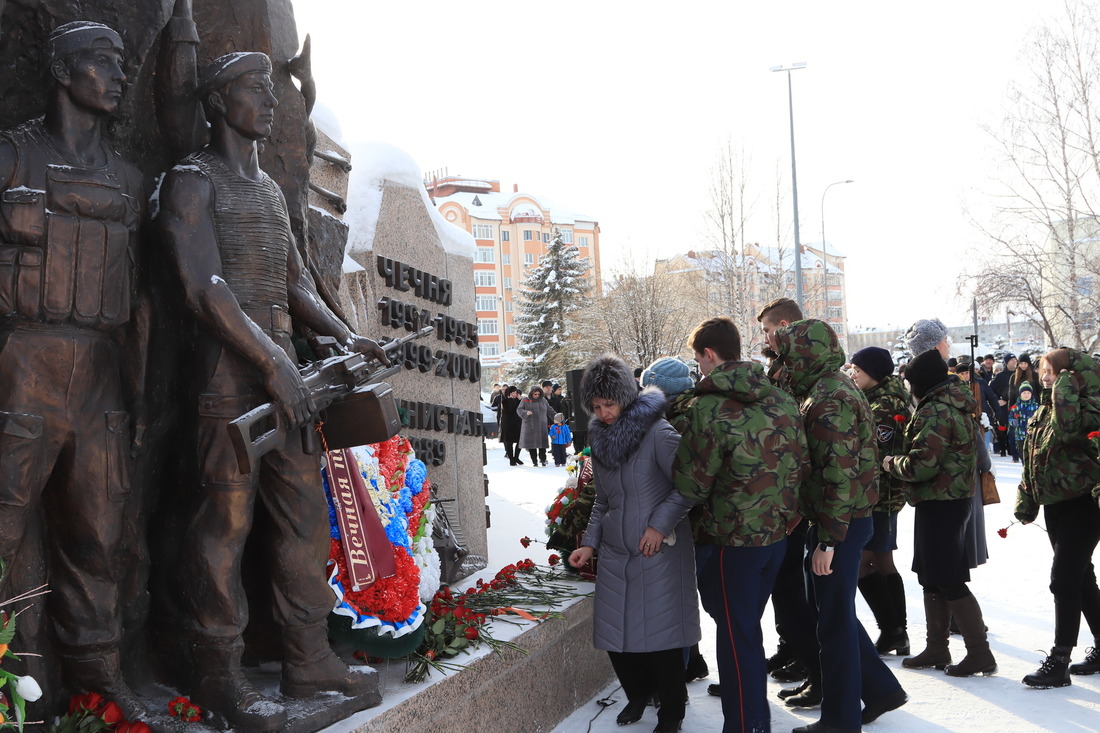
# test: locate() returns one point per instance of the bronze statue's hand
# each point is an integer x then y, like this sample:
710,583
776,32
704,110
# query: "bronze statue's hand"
286,387
366,347
301,67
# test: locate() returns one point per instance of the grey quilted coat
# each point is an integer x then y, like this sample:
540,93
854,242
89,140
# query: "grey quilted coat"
642,604
534,428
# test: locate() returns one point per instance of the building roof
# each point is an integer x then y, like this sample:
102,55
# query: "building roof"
491,201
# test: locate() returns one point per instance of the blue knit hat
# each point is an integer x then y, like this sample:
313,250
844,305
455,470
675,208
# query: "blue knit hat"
669,375
875,361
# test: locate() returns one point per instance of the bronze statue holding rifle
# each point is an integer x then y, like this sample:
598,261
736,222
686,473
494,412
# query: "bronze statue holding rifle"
227,231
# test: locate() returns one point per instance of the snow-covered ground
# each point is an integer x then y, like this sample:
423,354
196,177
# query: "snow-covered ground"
1011,587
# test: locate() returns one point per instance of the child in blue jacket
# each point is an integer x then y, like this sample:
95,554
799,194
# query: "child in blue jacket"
560,439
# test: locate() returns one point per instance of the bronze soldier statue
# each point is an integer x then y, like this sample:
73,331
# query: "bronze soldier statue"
69,212
226,226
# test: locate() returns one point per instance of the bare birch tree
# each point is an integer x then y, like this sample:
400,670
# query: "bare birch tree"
1044,259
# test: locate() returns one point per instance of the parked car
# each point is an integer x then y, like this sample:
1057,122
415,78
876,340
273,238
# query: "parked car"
489,420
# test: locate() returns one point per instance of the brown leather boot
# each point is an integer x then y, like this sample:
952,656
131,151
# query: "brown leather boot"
221,687
979,659
310,666
98,671
937,617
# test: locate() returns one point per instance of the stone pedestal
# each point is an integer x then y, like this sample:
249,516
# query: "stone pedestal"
508,692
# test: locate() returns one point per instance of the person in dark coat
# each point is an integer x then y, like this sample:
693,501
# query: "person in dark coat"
646,609
535,418
510,425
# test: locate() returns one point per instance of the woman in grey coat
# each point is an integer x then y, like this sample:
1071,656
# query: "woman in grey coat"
534,432
646,608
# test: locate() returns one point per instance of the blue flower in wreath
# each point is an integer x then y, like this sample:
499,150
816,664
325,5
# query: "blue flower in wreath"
415,475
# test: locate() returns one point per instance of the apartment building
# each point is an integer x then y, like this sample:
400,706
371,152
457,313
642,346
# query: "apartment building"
512,230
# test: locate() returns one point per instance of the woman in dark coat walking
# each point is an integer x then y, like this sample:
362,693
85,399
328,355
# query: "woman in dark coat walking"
510,425
646,608
534,435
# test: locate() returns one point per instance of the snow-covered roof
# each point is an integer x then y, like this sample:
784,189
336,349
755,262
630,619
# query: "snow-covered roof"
377,163
492,201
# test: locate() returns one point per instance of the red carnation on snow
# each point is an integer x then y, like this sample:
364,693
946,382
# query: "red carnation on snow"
554,560
526,541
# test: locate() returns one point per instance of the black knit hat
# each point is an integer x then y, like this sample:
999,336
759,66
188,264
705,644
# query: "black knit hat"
925,371
875,362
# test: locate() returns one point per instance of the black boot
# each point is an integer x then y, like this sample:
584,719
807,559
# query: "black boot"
892,637
632,713
782,657
696,666
97,670
896,587
221,688
1091,665
979,659
809,697
310,666
1053,672
795,671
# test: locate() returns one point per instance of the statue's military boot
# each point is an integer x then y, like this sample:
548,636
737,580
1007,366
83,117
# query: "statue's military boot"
221,688
99,671
310,666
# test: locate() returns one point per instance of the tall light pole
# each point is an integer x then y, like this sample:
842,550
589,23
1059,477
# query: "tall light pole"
794,182
825,256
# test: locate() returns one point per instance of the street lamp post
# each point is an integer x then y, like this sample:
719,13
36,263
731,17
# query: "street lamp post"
825,256
794,182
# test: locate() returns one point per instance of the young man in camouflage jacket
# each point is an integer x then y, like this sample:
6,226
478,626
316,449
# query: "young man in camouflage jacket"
837,498
880,582
741,459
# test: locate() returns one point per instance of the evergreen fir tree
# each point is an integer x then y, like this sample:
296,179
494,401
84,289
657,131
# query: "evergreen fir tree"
554,294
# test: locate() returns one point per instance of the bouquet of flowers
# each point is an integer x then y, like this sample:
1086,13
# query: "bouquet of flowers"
391,607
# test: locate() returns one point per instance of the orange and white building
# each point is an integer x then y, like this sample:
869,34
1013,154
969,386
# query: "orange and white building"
512,231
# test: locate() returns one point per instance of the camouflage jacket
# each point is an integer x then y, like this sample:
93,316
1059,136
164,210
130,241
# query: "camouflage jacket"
741,458
676,412
840,434
1060,461
890,399
938,458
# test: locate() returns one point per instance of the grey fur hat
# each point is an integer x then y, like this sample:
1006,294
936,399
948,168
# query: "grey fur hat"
924,335
610,378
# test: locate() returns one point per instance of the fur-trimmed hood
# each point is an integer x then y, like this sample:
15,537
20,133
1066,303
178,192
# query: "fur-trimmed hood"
608,377
613,444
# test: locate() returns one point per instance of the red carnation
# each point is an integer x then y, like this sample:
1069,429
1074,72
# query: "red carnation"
526,541
900,418
88,701
1003,531
554,560
134,727
470,633
1094,434
112,714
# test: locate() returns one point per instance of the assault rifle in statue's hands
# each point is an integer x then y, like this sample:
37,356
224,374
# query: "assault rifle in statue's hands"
354,405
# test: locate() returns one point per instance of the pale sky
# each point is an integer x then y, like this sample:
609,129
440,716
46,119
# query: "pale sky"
618,109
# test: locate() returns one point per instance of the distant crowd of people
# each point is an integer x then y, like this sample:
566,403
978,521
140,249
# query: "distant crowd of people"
533,422
785,482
